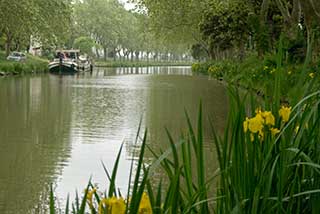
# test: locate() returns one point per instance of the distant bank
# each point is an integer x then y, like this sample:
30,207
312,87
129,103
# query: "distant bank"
138,63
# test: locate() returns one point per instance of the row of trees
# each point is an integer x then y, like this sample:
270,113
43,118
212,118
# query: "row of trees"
208,28
220,28
103,25
119,32
45,21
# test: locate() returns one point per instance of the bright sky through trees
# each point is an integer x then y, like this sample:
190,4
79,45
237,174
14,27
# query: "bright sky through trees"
128,6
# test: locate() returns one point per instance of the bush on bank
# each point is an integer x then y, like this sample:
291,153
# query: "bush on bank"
260,75
30,65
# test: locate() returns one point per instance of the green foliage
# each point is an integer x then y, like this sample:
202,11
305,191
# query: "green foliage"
260,75
263,174
216,69
85,44
225,25
47,22
120,33
198,52
6,67
174,22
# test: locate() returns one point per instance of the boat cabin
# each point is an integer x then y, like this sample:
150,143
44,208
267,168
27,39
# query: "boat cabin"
67,54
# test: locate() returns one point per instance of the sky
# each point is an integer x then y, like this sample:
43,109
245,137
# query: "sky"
128,6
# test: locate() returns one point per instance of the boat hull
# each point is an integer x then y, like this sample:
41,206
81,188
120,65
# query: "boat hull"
63,67
84,66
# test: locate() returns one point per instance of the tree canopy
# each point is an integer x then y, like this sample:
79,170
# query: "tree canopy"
217,26
46,21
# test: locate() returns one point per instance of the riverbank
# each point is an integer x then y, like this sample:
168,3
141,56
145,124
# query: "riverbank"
32,65
138,63
259,75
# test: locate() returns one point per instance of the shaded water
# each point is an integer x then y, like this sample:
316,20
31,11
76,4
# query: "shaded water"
58,129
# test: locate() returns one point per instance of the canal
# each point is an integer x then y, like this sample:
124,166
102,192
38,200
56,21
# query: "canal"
58,129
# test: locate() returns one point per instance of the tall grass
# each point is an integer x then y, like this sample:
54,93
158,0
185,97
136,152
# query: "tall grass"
271,174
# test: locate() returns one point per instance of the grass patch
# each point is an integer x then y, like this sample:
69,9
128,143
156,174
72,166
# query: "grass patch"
31,65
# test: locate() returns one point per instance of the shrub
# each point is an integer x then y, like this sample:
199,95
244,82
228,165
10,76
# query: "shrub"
19,67
7,67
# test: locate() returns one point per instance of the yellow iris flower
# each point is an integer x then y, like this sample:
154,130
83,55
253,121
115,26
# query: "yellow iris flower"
256,124
274,131
284,113
145,205
311,75
112,205
269,118
89,197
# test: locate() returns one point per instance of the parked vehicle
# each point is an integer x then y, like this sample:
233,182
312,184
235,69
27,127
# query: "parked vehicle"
17,56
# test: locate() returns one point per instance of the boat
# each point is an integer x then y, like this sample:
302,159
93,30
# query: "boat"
84,63
69,62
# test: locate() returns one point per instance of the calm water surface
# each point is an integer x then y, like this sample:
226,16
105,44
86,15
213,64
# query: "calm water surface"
58,129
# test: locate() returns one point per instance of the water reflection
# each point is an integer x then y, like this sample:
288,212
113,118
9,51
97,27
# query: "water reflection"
34,141
173,70
60,128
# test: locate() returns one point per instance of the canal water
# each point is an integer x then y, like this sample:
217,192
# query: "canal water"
57,130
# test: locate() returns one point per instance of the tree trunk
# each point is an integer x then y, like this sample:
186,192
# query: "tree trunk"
118,51
97,53
8,43
114,54
137,53
131,56
292,19
17,46
105,53
308,16
148,56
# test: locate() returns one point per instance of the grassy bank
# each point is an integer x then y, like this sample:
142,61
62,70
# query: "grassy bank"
260,74
268,157
111,63
31,65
